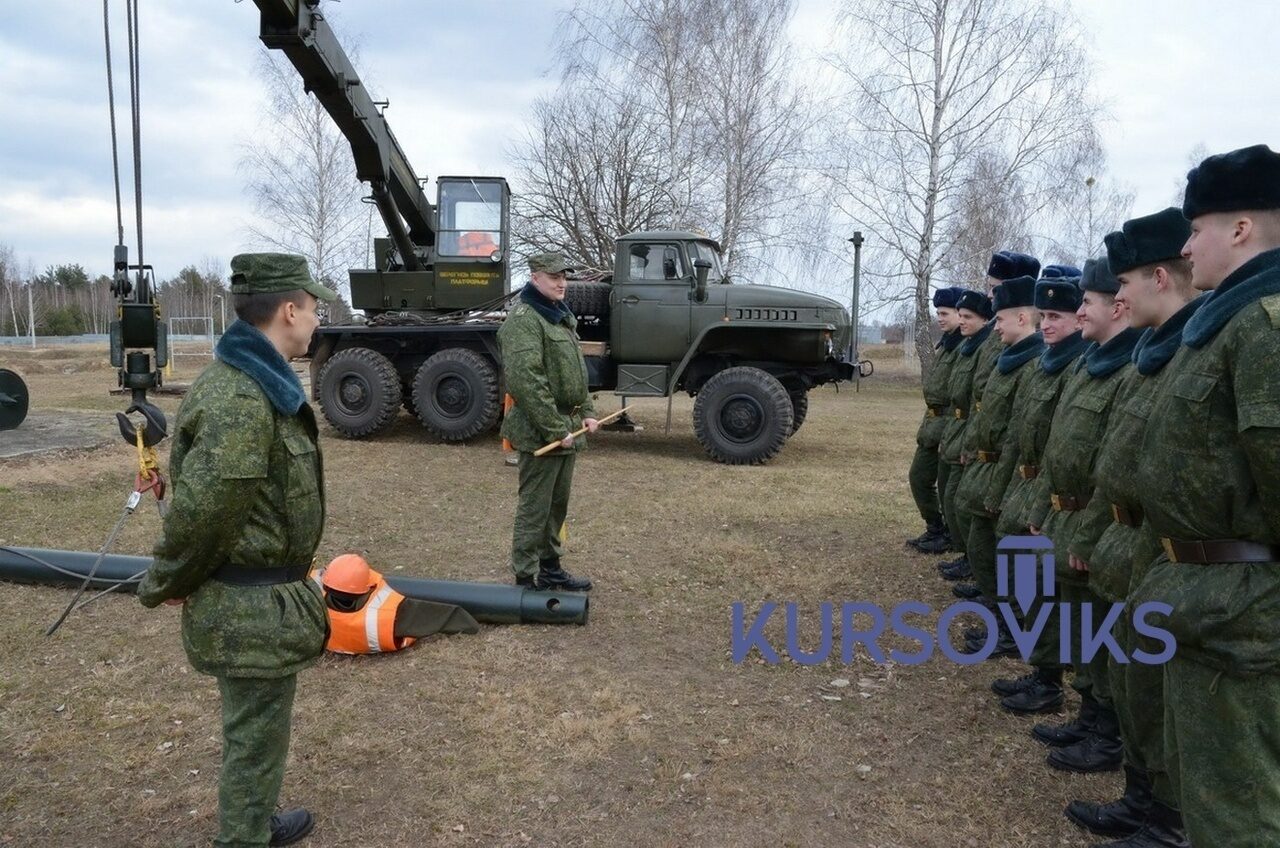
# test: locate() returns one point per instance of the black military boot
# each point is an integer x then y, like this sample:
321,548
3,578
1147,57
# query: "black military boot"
1101,750
960,571
967,591
1043,696
1118,818
290,826
1061,735
931,531
552,577
939,544
947,564
1006,686
1162,829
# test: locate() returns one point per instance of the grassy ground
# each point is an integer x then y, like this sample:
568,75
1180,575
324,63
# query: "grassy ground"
636,730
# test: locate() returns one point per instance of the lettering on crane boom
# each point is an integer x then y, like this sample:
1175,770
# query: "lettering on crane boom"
765,315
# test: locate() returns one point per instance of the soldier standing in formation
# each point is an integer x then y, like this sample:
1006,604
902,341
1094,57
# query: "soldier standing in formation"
1153,463
546,374
242,528
927,472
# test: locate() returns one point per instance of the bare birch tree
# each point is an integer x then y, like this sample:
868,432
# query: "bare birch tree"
303,179
937,87
694,122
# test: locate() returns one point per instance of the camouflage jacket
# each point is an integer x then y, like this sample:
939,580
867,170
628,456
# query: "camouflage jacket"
1123,551
1029,431
936,396
960,389
545,372
247,486
989,438
1211,470
988,353
1071,453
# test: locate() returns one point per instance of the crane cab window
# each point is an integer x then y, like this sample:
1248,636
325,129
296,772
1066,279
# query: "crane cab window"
656,262
470,215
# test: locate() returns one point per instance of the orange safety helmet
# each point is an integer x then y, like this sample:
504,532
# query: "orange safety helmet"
348,573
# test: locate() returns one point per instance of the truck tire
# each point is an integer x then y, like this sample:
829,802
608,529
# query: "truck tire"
742,416
359,392
588,299
455,393
799,409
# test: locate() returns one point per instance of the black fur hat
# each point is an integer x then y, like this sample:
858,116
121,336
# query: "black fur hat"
1248,178
1006,264
1020,291
1151,238
975,301
1059,294
1097,277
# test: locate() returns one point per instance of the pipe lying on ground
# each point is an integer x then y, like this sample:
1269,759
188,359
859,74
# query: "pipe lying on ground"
488,603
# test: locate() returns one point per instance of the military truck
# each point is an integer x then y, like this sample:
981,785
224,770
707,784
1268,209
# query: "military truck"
666,319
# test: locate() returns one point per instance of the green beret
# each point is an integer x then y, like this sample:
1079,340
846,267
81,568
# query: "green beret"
1146,240
1015,293
1097,277
549,263
1248,178
1058,294
265,273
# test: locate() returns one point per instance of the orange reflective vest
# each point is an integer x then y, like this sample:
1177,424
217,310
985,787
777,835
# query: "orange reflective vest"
370,629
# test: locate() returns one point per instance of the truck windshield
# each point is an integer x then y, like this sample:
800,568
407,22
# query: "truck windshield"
706,252
470,218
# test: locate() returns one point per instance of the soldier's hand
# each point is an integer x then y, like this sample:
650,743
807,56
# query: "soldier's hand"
592,424
1077,563
175,602
567,441
1035,531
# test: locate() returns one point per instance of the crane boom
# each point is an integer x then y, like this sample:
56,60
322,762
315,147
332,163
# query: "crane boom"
301,32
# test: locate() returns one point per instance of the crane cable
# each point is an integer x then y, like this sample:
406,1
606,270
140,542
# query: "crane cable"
135,114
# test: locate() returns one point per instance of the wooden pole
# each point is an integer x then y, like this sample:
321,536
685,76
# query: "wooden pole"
550,446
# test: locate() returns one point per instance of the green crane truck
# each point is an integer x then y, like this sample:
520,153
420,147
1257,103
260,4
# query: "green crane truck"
665,320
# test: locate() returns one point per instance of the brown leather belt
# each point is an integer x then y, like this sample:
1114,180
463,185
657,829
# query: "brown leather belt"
1219,550
934,411
1127,517
988,456
1066,503
961,414
1028,472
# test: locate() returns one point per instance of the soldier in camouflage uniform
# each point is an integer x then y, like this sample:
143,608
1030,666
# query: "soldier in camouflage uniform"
546,374
1155,285
1210,491
925,473
988,440
974,311
242,528
1004,265
1057,299
1064,488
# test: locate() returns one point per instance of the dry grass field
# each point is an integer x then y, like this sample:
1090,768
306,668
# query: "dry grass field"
636,730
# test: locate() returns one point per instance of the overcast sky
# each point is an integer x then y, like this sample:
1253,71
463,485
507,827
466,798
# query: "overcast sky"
461,77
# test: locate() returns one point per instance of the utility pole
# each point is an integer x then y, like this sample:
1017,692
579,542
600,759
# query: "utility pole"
31,314
856,241
222,305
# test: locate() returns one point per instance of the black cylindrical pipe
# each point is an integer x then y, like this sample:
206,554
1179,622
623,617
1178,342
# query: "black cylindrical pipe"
489,603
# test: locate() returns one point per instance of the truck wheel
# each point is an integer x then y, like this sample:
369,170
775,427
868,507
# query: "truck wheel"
588,299
359,392
14,399
799,409
742,416
456,394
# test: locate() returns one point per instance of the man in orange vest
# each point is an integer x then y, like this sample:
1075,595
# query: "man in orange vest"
367,616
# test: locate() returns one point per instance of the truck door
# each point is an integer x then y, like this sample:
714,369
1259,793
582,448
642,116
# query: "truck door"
652,306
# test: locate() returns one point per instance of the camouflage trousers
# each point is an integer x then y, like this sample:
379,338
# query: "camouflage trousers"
1091,678
980,547
923,477
950,474
545,482
1137,696
256,717
1222,748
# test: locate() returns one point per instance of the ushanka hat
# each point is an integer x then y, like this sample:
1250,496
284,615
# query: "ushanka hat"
1013,294
1248,178
1058,294
1147,240
975,301
1097,277
1006,264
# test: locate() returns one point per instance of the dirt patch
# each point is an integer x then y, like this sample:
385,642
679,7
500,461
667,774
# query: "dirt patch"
636,730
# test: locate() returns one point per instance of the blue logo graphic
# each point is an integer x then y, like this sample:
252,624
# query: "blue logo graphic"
1029,598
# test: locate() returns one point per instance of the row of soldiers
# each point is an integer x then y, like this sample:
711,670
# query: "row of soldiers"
1130,413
